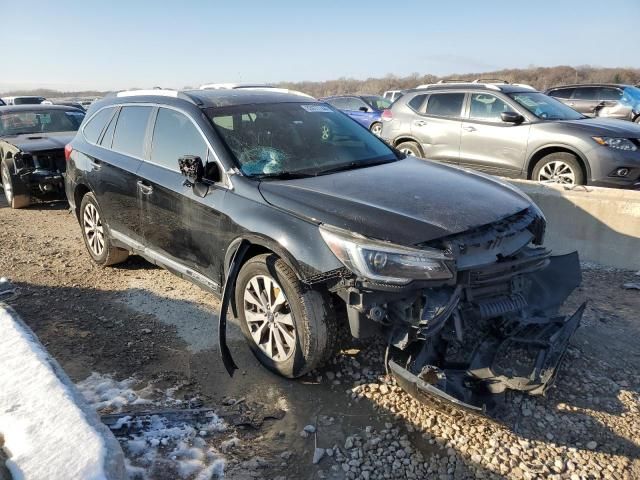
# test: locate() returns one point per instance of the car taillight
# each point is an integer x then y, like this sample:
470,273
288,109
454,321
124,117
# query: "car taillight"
386,116
67,151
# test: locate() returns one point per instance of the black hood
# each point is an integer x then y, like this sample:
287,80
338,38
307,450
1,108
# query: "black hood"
35,142
406,202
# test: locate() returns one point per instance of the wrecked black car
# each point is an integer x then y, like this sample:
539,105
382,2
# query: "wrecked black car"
300,218
32,141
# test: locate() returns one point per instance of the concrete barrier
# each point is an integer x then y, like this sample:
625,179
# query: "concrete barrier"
602,224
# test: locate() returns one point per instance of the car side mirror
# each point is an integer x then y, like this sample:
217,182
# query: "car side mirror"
512,117
364,109
191,167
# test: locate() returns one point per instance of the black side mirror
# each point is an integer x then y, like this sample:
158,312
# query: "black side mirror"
191,167
512,117
364,109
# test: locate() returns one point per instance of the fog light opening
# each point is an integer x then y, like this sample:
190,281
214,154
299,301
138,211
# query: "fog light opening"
621,172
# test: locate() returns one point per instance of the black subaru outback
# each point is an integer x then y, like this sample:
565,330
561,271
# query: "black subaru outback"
300,218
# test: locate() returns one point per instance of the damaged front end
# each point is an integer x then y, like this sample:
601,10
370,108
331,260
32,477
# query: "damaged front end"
493,327
41,172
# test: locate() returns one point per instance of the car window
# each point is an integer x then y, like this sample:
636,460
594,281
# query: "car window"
39,121
107,137
445,104
585,93
339,103
416,102
378,103
545,107
354,104
95,125
175,135
130,130
609,93
487,107
563,93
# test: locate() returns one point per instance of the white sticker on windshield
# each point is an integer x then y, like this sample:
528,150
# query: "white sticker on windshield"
317,108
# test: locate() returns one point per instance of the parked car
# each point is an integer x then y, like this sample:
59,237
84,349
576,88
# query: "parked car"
32,141
601,100
393,95
299,218
365,109
24,100
514,131
77,105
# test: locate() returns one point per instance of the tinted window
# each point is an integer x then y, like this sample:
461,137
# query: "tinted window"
445,104
107,138
351,103
562,93
590,93
416,102
608,93
39,121
174,136
487,107
339,103
130,130
94,127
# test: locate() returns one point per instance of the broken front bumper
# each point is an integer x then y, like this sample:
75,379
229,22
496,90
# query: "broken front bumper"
511,339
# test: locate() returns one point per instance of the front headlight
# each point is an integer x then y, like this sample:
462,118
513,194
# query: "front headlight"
385,262
617,143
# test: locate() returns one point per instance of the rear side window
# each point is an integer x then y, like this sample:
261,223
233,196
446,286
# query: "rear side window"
174,136
96,124
416,102
562,93
445,104
107,138
589,93
130,130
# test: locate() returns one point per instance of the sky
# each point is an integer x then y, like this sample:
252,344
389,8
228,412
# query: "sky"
117,44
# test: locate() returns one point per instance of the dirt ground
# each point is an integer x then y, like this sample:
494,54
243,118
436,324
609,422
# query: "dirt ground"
138,320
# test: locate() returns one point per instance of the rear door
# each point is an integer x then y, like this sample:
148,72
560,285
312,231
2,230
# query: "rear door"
113,173
437,126
489,144
179,226
584,100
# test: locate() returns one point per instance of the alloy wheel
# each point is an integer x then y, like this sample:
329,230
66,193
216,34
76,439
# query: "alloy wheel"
557,172
93,229
6,183
376,129
269,318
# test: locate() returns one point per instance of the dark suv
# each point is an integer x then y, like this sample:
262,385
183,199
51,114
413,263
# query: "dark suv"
300,218
514,131
601,100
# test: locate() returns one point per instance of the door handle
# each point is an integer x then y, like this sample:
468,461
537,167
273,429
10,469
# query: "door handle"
145,189
469,128
419,123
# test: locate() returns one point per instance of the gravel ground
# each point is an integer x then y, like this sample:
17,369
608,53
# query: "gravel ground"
137,320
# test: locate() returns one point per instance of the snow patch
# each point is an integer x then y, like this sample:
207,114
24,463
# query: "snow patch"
46,434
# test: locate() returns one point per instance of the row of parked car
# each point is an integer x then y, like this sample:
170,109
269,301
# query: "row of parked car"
300,219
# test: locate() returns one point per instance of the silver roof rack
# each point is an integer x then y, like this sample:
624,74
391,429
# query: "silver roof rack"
490,80
158,92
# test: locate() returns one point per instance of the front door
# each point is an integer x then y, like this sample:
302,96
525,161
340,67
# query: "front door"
180,228
489,144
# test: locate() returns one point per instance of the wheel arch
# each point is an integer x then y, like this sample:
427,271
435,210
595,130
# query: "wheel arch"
79,192
542,152
407,138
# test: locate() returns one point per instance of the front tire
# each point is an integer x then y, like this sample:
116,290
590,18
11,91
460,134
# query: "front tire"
290,329
96,234
410,148
561,167
14,188
376,128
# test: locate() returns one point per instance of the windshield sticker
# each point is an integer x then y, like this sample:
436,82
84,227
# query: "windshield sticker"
317,108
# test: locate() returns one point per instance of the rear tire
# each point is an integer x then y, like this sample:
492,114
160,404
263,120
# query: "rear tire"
560,167
96,234
410,148
14,188
376,128
290,329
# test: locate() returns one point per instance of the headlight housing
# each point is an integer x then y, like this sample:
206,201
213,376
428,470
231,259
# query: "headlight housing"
385,262
617,143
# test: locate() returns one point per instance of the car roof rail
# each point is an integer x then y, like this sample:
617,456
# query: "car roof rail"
489,86
158,92
451,80
523,85
490,80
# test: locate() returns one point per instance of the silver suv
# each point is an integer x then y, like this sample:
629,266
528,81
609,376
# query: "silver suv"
515,131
